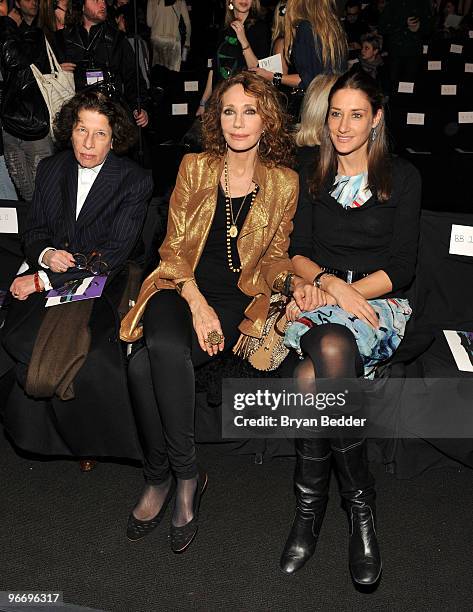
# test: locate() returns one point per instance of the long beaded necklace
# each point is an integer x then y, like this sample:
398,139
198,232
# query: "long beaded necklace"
232,228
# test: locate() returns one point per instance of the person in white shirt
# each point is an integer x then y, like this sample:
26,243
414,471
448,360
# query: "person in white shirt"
163,17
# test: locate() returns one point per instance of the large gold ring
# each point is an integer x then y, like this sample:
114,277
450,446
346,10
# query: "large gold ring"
214,337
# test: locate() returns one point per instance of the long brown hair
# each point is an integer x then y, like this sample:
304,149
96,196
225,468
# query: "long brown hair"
276,144
379,168
255,13
321,15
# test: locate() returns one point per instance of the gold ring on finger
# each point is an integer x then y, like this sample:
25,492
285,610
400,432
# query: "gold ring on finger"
214,337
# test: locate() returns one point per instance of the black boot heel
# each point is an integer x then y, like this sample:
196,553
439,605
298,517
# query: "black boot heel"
363,551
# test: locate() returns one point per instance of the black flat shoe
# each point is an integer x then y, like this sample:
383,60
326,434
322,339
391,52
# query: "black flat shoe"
182,537
136,529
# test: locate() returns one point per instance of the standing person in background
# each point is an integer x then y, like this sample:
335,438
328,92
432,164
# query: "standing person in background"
245,39
54,15
354,24
315,39
25,117
163,17
403,25
315,43
98,53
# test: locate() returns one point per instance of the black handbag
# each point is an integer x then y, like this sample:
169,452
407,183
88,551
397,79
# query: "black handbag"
24,111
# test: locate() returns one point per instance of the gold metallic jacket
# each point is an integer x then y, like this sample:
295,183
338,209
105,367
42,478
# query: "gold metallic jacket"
262,242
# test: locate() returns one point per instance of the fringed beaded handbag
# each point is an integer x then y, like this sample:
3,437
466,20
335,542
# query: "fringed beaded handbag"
268,352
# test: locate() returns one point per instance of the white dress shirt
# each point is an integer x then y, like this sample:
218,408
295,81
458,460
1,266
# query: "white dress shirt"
85,180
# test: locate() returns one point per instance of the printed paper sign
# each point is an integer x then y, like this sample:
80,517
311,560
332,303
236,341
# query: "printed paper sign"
461,240
179,109
75,291
465,117
415,118
191,85
461,345
434,65
448,90
456,48
8,221
405,87
273,63
468,67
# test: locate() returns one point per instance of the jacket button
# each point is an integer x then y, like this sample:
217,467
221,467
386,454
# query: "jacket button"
66,244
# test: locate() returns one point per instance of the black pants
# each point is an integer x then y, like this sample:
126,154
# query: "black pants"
162,384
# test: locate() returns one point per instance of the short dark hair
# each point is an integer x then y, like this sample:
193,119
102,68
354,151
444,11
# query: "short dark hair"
124,133
373,39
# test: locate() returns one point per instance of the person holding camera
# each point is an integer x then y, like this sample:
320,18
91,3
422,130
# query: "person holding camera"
101,57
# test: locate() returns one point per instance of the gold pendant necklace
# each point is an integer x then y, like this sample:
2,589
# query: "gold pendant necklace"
232,229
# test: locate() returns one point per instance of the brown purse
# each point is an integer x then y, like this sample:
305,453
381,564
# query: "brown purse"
268,352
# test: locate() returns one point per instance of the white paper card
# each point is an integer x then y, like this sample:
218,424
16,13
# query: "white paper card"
209,63
468,67
179,109
470,34
448,90
273,63
415,118
191,85
8,221
434,65
461,240
405,87
425,49
465,117
461,345
456,48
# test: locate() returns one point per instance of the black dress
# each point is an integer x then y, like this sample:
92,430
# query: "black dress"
229,59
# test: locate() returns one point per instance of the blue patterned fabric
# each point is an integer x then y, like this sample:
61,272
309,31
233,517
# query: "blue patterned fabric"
374,345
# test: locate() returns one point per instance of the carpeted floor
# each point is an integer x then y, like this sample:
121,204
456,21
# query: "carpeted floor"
60,529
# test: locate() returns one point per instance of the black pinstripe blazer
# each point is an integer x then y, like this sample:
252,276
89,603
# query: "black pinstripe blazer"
110,220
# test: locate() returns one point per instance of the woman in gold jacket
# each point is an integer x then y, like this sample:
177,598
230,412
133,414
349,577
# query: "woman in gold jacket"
225,252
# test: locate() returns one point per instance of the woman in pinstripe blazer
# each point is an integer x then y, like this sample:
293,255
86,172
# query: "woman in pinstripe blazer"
86,201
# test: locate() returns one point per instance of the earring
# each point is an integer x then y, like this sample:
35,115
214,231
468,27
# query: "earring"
374,133
230,5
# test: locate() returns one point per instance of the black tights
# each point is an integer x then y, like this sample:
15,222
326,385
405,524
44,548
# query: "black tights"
162,385
332,353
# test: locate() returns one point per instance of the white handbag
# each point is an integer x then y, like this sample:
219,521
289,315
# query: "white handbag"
57,87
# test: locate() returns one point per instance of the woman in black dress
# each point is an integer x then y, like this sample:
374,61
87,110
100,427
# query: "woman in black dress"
355,237
245,39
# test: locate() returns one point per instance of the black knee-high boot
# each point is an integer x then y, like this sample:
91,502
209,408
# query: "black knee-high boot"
358,495
311,483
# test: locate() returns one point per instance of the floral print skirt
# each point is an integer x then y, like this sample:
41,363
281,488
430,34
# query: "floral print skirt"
374,345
